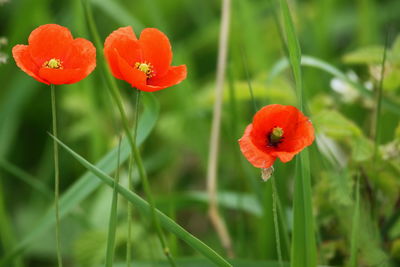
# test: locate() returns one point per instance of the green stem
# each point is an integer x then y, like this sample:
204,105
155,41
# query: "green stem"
274,209
355,226
130,187
112,226
112,86
56,174
129,221
378,106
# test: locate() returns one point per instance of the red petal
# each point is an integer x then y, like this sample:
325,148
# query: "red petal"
130,74
156,50
49,41
124,41
285,156
255,156
62,76
175,75
81,54
267,118
24,62
300,137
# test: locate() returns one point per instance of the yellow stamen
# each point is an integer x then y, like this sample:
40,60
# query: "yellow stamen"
53,64
145,67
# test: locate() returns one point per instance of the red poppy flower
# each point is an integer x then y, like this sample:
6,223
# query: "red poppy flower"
144,63
53,56
277,131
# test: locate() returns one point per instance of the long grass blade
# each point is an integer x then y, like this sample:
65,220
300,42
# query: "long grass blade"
144,206
112,225
303,241
27,178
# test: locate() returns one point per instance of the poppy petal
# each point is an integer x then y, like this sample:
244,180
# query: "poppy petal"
302,136
264,120
255,156
81,54
62,76
125,42
175,75
130,74
285,156
156,50
24,62
49,41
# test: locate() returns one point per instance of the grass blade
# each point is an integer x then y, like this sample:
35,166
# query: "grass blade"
27,178
303,241
112,226
144,207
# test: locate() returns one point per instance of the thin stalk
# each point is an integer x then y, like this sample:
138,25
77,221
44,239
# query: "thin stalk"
276,223
378,107
355,226
130,187
56,173
112,86
213,211
112,225
246,70
129,221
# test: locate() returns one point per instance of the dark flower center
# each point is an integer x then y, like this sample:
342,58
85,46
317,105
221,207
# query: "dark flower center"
275,137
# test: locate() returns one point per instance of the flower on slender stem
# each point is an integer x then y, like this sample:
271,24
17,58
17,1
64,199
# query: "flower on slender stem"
277,131
145,63
53,56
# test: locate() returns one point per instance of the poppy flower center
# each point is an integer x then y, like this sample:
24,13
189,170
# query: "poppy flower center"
145,67
53,64
275,137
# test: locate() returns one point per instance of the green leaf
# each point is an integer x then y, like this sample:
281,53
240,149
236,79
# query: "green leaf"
365,55
336,126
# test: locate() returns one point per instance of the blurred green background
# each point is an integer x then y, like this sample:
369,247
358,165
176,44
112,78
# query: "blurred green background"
343,42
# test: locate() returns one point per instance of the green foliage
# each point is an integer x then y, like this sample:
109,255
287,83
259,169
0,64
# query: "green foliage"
354,178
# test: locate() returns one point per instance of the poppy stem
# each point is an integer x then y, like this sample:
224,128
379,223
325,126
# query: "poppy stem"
56,173
276,223
129,221
142,172
130,186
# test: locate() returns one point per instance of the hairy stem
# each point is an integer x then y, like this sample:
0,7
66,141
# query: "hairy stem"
56,174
